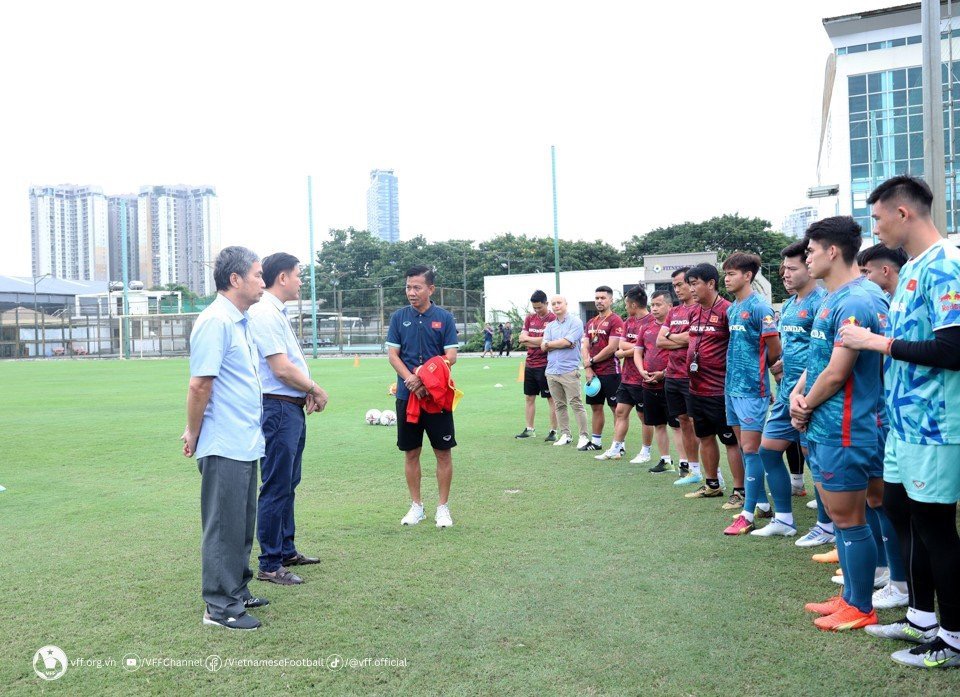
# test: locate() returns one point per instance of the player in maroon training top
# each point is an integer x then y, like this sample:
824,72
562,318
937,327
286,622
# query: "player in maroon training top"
600,341
654,376
630,392
534,372
674,338
707,363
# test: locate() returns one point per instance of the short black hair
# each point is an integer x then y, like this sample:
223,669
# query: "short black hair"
743,261
637,295
904,188
538,297
840,230
704,272
796,249
881,253
424,271
682,270
605,289
275,264
232,260
663,294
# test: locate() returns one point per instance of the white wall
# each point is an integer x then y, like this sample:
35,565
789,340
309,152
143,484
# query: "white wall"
503,293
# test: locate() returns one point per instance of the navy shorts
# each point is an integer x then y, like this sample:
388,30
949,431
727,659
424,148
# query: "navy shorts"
609,384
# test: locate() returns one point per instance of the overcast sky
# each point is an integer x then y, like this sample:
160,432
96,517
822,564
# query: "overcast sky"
661,112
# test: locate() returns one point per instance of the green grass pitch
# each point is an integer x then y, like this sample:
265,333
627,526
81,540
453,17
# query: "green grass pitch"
562,575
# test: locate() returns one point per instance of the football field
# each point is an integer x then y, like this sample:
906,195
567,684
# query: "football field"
561,575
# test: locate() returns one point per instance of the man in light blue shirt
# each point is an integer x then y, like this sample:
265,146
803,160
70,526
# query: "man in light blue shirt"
223,432
287,392
561,341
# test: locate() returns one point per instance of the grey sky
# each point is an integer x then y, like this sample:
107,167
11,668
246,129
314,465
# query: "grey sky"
660,112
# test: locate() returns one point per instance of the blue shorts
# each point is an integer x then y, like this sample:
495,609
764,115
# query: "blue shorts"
929,473
748,413
836,468
876,462
779,427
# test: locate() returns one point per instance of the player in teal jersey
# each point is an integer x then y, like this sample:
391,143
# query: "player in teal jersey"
835,401
796,320
921,470
754,346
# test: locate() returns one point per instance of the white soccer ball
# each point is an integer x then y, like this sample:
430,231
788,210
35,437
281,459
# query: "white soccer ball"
387,418
372,417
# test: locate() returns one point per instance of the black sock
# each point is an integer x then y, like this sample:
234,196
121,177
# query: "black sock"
741,491
713,483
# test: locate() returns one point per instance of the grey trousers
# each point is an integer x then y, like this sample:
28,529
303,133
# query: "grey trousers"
228,512
565,390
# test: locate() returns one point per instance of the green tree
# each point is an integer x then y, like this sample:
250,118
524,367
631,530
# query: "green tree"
723,235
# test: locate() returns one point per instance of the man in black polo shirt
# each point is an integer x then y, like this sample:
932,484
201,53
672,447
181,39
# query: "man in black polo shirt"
418,333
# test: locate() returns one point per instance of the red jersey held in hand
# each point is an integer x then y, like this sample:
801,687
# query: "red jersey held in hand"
632,331
678,322
599,331
709,336
534,325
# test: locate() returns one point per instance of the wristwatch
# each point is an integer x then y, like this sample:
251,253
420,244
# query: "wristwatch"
667,335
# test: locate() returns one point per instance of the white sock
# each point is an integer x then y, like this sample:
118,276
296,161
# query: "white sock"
748,516
531,428
826,527
784,518
645,450
952,638
595,439
796,480
667,458
765,507
617,446
694,467
921,619
881,570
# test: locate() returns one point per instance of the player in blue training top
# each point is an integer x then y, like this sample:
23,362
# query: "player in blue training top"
921,471
835,401
796,320
754,346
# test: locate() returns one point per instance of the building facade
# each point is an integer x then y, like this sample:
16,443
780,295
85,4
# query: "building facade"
69,234
798,220
383,207
117,207
178,236
875,125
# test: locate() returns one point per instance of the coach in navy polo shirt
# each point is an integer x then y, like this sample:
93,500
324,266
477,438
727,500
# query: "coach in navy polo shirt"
418,333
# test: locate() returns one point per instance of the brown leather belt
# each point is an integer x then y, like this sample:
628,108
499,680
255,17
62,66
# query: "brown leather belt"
299,401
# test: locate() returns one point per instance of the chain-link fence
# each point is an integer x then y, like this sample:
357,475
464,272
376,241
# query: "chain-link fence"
347,321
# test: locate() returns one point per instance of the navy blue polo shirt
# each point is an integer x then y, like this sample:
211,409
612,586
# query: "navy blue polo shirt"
420,337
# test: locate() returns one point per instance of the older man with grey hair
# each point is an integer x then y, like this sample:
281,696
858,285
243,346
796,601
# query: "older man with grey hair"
561,341
223,433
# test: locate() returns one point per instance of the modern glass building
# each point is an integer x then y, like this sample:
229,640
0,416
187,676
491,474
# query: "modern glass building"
876,112
383,207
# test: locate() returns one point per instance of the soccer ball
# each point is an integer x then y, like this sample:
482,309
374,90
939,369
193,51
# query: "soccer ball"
372,417
387,418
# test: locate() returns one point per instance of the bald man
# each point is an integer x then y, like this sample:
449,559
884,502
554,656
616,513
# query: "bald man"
561,342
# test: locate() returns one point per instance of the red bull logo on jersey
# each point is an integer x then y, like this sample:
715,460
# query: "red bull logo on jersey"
950,301
768,322
882,318
851,321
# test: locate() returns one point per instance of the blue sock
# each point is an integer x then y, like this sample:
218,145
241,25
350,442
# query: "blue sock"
822,516
891,544
873,520
754,492
861,554
779,479
842,552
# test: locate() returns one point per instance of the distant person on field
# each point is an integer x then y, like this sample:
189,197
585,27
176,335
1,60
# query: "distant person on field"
418,333
561,342
507,338
223,432
288,395
487,340
535,368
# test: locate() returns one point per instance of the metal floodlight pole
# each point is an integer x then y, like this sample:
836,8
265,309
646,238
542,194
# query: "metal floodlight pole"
124,246
934,165
556,230
313,264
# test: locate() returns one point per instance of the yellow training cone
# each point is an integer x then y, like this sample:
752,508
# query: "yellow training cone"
520,374
356,360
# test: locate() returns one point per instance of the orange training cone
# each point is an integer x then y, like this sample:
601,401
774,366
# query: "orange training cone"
520,373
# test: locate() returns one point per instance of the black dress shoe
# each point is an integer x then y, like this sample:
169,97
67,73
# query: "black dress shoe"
300,560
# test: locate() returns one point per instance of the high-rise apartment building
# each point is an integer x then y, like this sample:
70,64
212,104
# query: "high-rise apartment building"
798,220
178,236
115,208
69,236
383,207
